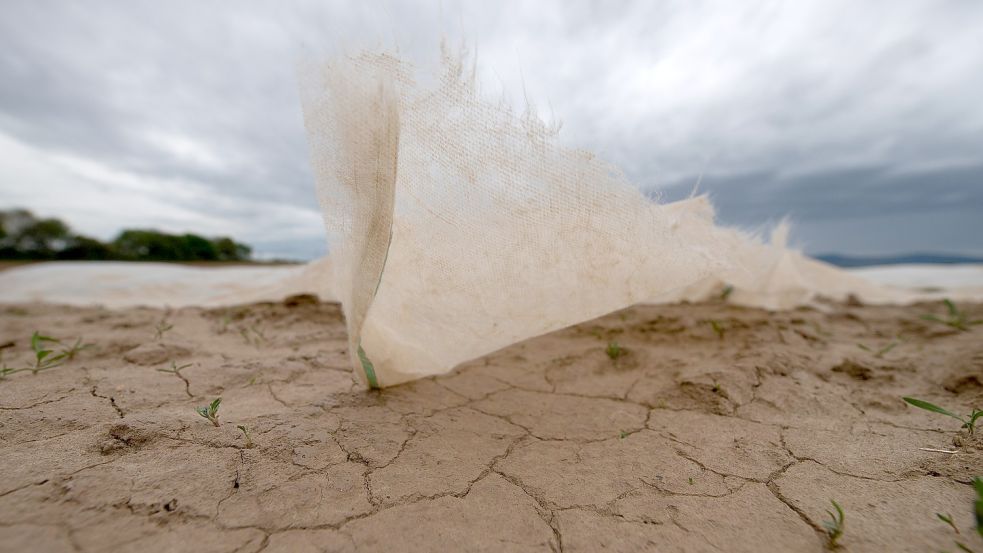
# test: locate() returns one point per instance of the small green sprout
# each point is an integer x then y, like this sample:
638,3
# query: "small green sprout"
174,369
257,337
718,328
43,360
614,351
956,318
879,352
210,412
834,526
75,348
245,433
726,292
969,423
947,518
5,370
44,356
623,435
162,327
690,480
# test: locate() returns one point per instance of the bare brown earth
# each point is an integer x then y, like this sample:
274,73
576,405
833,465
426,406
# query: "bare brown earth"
690,441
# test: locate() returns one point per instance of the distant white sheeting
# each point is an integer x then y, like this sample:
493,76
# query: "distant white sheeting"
926,277
118,284
122,284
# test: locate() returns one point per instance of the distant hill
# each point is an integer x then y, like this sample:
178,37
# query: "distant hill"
903,259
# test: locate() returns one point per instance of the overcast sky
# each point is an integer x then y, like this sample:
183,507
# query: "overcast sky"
862,121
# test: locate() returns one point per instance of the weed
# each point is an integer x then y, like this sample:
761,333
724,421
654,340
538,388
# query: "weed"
44,357
726,292
210,411
245,433
978,507
955,319
162,327
969,423
879,352
614,351
174,369
43,360
690,480
5,370
718,328
947,518
256,339
226,319
623,434
70,353
834,526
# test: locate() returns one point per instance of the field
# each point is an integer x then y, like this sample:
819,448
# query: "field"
686,427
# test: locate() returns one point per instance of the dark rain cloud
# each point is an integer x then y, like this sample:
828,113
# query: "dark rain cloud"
184,115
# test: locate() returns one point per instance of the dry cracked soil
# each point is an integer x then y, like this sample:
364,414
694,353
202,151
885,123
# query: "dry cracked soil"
716,428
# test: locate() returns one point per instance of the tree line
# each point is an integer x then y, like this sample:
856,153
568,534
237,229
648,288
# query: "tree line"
26,237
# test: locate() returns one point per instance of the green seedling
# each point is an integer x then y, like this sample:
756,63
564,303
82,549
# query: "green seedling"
5,370
956,319
43,360
174,369
969,423
690,480
210,411
614,351
879,352
245,433
718,329
834,526
947,518
44,356
727,291
252,335
162,327
70,353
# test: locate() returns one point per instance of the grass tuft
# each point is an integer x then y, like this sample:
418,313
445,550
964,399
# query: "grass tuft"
162,327
955,318
879,353
947,518
834,526
614,351
718,328
968,423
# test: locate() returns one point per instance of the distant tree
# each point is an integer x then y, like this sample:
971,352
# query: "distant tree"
196,248
26,237
88,249
229,250
147,245
23,236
